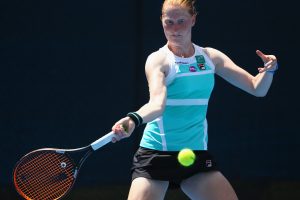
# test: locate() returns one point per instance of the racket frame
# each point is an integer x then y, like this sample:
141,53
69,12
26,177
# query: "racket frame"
66,152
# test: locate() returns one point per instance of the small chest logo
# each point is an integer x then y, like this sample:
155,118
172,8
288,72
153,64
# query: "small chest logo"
201,66
192,69
200,62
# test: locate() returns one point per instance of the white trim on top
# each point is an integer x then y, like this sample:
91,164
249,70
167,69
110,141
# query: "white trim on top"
186,102
205,139
162,133
195,73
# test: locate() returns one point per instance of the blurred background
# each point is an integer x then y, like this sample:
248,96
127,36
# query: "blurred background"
70,69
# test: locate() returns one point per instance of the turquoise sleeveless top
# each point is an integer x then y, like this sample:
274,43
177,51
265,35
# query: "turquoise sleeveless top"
183,123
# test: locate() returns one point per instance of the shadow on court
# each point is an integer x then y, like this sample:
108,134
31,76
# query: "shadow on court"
250,190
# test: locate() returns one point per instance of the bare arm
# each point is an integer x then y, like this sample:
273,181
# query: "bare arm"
156,70
155,73
256,85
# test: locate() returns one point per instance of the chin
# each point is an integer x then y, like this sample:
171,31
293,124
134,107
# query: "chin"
175,42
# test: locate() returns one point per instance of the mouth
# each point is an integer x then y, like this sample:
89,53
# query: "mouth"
176,36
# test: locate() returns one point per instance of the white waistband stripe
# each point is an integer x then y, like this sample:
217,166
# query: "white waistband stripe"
186,102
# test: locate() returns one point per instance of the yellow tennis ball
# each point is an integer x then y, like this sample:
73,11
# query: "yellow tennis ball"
186,157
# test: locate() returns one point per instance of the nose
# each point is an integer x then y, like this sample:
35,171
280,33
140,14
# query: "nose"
176,27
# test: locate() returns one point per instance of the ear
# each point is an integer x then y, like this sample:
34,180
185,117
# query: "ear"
193,20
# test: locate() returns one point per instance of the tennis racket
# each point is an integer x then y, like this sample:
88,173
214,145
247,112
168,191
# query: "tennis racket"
49,173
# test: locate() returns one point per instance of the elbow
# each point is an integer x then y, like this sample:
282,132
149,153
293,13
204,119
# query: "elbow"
259,91
160,108
156,108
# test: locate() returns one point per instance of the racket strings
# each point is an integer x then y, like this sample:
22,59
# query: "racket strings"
40,176
44,175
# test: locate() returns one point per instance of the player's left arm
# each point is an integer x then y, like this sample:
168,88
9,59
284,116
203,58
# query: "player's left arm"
256,85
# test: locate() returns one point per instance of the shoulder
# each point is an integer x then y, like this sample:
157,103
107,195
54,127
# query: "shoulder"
157,60
211,52
215,55
157,57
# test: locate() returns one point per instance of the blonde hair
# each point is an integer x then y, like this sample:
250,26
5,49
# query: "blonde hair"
189,4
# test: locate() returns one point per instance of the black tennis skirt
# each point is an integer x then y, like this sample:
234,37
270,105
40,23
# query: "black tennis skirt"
164,166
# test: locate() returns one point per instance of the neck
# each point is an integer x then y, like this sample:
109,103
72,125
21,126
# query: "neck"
183,51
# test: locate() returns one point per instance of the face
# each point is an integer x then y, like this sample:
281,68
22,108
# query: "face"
177,24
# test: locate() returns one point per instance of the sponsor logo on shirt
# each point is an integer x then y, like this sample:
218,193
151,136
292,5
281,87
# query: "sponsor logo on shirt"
181,63
192,69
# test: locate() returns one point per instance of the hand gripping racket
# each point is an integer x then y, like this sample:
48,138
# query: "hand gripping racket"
49,173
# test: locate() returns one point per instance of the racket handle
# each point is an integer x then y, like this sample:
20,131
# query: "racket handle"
103,140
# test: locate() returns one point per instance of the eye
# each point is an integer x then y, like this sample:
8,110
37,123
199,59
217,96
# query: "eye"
180,21
169,22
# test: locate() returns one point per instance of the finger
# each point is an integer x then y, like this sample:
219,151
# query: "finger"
262,56
270,66
262,69
117,137
121,132
260,53
114,128
117,129
268,63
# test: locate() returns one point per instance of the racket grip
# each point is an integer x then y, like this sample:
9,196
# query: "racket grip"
104,140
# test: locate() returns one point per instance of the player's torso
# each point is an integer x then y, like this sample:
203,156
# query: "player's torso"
183,124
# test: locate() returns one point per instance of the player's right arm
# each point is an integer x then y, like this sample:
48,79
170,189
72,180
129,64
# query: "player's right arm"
156,70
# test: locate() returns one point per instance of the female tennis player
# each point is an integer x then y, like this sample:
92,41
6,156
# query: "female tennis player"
181,78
